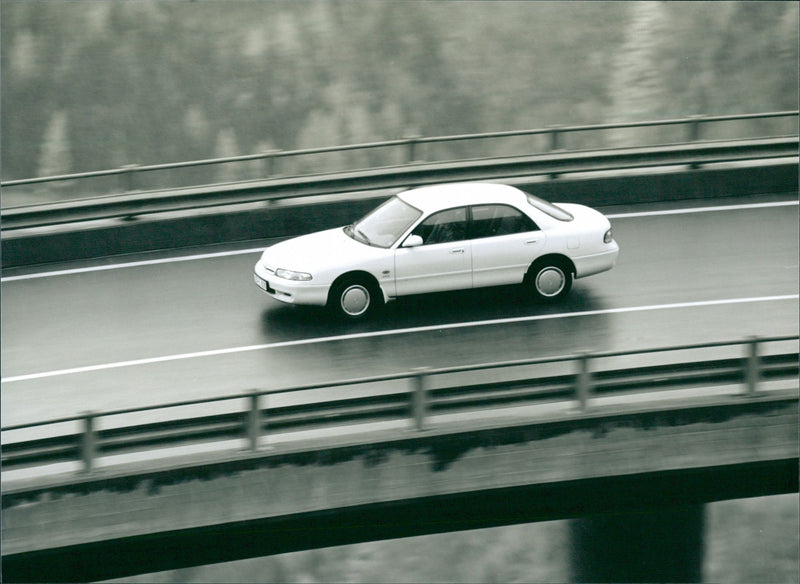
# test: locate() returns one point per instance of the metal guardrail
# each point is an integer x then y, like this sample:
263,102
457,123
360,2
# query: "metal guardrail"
409,173
131,205
416,403
693,124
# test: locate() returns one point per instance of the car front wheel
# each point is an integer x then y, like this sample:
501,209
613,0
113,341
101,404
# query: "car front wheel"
353,298
550,281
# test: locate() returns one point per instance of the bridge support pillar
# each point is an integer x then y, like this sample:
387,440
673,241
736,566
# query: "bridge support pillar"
642,546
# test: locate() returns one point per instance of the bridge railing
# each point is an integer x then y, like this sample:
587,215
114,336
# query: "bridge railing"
422,395
259,191
408,151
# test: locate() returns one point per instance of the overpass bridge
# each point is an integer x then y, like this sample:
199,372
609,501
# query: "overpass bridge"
634,449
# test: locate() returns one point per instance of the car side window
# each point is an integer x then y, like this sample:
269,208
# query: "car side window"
496,220
443,227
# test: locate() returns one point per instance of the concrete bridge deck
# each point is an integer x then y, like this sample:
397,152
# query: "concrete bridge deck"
638,458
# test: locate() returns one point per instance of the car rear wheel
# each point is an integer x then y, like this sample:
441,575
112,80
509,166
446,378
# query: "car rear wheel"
354,298
549,281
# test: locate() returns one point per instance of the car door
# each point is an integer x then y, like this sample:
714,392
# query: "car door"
504,243
442,262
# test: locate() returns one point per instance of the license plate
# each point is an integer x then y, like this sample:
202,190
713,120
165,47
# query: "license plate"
260,283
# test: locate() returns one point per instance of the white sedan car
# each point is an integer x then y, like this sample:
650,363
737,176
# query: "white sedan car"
436,238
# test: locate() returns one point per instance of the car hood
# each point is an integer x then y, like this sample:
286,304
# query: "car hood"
317,251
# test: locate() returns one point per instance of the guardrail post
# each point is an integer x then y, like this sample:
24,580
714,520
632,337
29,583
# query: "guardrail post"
88,442
127,176
271,156
583,381
253,422
411,148
694,127
419,398
555,138
752,367
555,144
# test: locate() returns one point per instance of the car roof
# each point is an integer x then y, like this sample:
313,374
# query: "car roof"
445,196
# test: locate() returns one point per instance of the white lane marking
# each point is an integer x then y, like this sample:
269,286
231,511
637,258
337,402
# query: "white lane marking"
386,333
703,209
204,256
260,249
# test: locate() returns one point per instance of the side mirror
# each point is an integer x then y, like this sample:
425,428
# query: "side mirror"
412,241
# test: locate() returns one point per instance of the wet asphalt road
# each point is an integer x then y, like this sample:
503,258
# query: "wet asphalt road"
680,278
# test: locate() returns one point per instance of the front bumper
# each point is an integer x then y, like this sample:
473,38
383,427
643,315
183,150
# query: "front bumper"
289,291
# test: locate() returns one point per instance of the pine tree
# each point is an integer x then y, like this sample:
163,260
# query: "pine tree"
638,90
227,147
55,153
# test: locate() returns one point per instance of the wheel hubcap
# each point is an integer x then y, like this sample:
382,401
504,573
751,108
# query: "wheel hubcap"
355,300
550,281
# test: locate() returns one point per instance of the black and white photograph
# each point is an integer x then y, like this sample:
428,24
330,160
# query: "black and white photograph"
399,291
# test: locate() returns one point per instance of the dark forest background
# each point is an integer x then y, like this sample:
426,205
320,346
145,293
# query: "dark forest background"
90,85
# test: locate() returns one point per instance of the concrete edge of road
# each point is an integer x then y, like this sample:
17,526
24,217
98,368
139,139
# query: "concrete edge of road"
259,221
714,407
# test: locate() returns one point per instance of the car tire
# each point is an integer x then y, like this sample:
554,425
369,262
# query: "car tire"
354,298
549,281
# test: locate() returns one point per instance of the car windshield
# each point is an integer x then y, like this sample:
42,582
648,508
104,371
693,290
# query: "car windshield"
554,211
385,224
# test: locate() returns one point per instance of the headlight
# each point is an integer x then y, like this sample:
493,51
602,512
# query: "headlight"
607,237
290,275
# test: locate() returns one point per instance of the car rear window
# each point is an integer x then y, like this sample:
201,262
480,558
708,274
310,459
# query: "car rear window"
554,211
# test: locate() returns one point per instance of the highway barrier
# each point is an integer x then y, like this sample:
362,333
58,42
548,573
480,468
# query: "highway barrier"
426,394
412,175
280,205
694,128
134,205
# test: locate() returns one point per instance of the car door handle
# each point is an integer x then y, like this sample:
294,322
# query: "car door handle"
531,241
459,250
